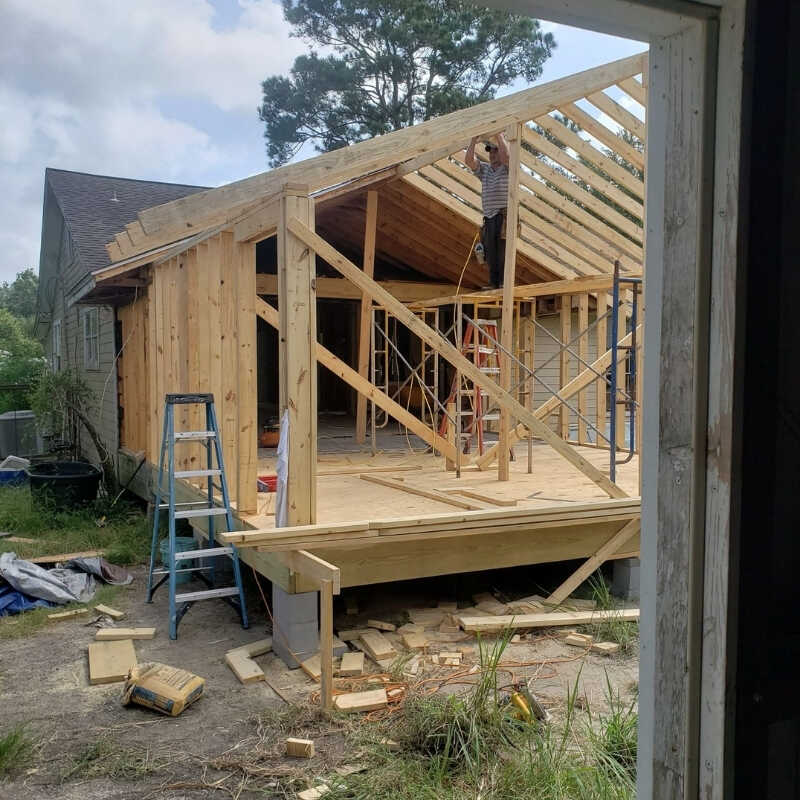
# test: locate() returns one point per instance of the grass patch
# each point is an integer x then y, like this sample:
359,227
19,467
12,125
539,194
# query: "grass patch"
105,758
614,737
612,628
472,745
16,749
122,531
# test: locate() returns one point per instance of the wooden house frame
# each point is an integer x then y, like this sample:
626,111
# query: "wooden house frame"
695,177
189,304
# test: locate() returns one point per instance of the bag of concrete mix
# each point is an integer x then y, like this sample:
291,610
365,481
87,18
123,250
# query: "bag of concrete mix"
166,689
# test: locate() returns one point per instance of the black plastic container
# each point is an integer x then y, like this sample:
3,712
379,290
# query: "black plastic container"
65,484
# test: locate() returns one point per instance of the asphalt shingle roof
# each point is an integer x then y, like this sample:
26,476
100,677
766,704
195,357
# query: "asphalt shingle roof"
96,207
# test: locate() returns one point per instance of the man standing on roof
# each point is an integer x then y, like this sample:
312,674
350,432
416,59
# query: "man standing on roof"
494,198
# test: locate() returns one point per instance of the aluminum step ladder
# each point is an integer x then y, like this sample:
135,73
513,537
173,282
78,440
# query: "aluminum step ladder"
180,602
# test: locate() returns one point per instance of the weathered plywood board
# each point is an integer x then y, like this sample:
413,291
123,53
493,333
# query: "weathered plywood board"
110,662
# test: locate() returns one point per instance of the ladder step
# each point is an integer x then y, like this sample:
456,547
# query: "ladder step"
198,473
165,571
200,512
206,594
207,552
490,417
490,370
194,436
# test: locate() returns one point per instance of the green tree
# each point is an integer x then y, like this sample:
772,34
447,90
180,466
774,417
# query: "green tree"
393,63
21,362
19,296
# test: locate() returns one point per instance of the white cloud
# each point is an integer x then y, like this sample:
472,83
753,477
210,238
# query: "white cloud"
145,89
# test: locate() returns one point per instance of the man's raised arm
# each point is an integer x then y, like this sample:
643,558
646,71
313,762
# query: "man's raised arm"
469,156
502,148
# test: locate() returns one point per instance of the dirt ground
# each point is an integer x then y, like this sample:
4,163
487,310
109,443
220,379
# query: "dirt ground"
90,746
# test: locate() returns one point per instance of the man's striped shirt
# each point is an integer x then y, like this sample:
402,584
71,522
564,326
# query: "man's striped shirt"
494,187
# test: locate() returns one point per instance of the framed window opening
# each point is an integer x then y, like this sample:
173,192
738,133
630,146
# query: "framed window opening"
90,319
55,353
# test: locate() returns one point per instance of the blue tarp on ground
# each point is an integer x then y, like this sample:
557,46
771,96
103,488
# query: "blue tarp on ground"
14,602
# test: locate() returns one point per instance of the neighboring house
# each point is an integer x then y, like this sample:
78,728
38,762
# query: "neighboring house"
81,213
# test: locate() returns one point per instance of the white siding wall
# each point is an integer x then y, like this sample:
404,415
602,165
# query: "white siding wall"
545,348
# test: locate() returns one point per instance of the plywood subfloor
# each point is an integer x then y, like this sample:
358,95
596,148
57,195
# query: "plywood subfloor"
343,496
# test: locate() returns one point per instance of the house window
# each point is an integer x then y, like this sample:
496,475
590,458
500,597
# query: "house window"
55,356
91,338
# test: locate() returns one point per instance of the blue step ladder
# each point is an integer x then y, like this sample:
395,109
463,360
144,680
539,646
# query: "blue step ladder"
180,603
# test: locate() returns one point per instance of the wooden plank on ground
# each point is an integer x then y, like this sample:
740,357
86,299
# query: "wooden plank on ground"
361,701
113,634
300,748
243,667
109,612
377,646
59,557
110,662
352,665
73,612
546,620
625,534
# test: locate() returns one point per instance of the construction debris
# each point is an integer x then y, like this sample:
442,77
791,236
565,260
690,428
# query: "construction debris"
110,662
107,611
605,648
546,620
352,665
113,634
371,700
377,646
354,633
381,626
578,640
163,688
415,641
312,667
314,793
300,748
74,612
427,617
240,660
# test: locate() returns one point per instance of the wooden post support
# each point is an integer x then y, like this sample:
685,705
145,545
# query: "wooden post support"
563,362
514,135
247,375
366,312
601,387
326,642
297,341
450,465
583,352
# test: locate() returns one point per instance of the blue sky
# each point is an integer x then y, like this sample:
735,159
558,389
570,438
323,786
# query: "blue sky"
154,89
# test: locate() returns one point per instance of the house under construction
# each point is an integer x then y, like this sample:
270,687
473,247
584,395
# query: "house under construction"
449,429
